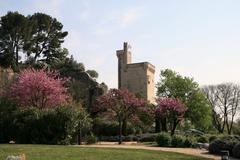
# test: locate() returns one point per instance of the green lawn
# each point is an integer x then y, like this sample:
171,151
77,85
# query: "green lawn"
54,152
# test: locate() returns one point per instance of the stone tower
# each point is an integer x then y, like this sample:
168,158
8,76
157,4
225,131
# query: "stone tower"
137,77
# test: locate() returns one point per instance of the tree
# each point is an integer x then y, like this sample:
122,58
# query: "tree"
120,104
225,102
84,121
46,38
38,88
13,33
173,85
170,111
92,73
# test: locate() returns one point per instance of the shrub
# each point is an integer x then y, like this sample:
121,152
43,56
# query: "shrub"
218,145
189,142
163,139
202,139
177,141
212,138
91,139
236,150
147,137
103,127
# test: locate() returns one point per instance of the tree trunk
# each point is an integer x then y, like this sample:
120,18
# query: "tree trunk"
120,131
157,124
124,127
174,126
79,135
164,124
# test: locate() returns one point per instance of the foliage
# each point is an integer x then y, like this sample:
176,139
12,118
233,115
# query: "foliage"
236,150
13,32
170,110
46,38
173,85
163,139
92,73
84,122
189,142
225,103
38,88
32,125
212,138
224,143
147,137
7,113
91,139
178,141
120,104
202,139
38,37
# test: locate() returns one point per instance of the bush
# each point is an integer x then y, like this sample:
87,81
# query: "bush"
91,139
163,139
7,114
32,125
202,139
189,142
103,127
218,145
236,150
178,141
147,137
212,138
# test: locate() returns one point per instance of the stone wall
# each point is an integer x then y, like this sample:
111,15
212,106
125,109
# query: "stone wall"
137,77
6,76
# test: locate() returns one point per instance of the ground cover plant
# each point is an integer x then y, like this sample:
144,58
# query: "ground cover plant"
49,152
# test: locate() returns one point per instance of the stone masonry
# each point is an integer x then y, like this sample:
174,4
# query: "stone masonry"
137,77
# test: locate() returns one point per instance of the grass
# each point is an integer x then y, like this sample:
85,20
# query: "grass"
55,152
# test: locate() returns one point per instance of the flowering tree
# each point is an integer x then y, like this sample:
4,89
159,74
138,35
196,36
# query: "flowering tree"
120,104
38,88
170,110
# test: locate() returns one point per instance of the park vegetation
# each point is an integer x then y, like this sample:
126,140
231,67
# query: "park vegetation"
52,99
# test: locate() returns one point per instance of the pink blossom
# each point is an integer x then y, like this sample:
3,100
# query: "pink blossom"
38,88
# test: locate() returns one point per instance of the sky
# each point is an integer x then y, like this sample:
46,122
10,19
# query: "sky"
196,38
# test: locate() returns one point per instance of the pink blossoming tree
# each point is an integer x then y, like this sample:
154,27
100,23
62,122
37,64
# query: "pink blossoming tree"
170,110
38,88
120,104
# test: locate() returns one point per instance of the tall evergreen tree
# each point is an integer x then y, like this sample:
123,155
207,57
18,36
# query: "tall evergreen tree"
46,38
13,33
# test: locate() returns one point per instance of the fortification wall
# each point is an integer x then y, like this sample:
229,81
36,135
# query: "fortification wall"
6,76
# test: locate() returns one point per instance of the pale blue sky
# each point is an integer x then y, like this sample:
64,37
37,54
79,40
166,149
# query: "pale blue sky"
197,38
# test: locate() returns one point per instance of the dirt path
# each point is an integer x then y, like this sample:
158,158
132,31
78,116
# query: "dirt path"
134,145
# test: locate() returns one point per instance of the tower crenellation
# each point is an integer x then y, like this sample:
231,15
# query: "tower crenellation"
137,77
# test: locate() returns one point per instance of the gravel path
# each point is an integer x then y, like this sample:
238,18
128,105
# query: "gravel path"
134,145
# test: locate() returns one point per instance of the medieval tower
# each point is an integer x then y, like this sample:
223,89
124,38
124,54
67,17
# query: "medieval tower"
137,77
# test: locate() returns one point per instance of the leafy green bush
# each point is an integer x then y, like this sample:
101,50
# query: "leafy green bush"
7,114
202,139
212,138
163,139
218,145
103,127
178,141
91,139
189,142
32,125
147,137
236,150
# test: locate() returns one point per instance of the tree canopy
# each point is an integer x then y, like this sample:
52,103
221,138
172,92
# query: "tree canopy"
38,88
173,85
37,37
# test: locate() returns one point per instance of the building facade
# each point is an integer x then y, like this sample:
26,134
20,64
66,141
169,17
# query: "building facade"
137,77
